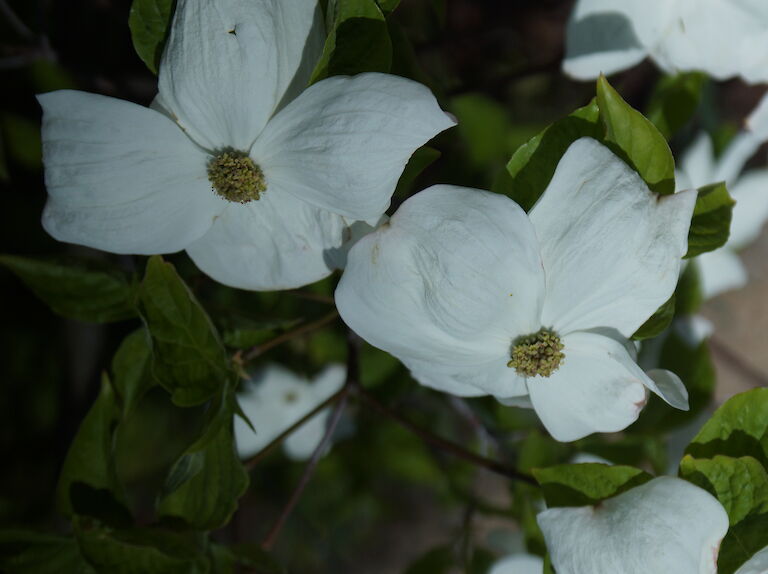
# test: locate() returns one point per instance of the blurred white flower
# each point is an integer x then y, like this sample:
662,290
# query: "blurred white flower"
275,399
666,525
518,564
476,297
758,564
722,270
256,177
724,38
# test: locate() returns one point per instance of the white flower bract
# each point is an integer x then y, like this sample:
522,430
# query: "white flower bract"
275,399
518,564
724,38
457,276
721,270
758,564
664,525
130,179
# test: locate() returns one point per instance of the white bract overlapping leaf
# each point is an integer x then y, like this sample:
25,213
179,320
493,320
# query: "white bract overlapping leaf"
258,178
724,38
275,399
664,525
722,270
478,298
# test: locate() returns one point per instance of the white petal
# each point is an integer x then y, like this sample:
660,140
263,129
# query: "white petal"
342,145
665,525
328,381
451,280
611,248
228,64
757,122
669,387
491,378
277,242
706,35
758,564
751,210
720,271
121,177
604,36
698,163
303,442
597,388
736,155
518,564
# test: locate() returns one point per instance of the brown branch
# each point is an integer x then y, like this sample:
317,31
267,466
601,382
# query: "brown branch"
736,361
443,444
280,339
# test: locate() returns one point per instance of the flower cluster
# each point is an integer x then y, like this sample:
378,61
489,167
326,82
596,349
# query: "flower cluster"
269,182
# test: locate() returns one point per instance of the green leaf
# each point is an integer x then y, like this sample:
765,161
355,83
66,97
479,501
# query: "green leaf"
148,551
741,486
688,295
188,358
88,483
84,289
711,223
25,552
245,333
586,484
358,40
674,101
533,164
131,369
657,322
206,482
738,428
150,22
636,139
388,6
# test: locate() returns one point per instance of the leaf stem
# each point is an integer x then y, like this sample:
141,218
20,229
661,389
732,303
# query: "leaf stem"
280,339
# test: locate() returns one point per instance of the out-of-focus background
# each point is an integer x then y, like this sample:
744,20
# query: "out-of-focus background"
382,499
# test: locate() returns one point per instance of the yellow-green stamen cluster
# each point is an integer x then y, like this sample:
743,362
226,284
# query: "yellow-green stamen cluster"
235,177
537,354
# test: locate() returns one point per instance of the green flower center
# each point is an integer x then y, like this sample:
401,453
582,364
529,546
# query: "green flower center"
235,177
537,354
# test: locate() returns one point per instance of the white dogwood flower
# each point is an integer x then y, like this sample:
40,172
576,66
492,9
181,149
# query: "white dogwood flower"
275,399
722,270
724,38
256,177
664,525
477,298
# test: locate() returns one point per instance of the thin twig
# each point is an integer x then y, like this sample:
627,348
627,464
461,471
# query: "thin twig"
351,382
259,456
280,339
306,476
443,444
738,362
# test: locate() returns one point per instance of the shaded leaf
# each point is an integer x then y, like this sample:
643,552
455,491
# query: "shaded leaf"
358,40
26,552
738,428
421,159
674,101
149,22
88,482
711,223
83,289
657,322
205,483
188,359
131,369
